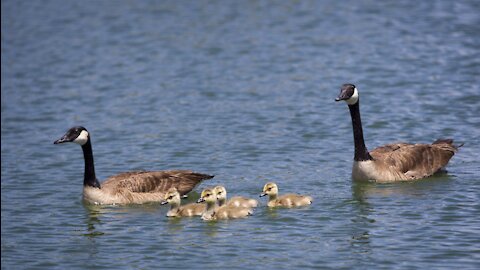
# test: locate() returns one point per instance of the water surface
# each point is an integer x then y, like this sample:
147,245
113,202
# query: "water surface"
243,90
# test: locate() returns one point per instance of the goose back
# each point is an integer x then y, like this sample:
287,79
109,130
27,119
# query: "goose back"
414,161
155,181
142,186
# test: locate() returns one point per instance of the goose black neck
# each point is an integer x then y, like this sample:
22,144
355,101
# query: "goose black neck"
361,152
89,178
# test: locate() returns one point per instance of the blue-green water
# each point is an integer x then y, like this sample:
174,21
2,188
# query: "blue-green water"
243,90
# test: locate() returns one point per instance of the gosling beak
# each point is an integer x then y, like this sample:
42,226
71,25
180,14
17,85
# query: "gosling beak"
63,139
263,194
163,202
200,200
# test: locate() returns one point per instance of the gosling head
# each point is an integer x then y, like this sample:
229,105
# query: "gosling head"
221,193
349,93
208,196
269,189
171,197
78,135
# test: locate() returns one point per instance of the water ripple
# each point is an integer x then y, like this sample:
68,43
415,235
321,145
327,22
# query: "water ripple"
244,91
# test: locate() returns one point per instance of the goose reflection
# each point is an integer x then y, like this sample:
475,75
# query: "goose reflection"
362,222
93,212
365,196
362,192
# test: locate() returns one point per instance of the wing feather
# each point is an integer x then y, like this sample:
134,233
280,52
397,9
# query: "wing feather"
416,160
155,181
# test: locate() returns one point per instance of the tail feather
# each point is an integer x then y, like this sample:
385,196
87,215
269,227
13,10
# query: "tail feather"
441,141
449,142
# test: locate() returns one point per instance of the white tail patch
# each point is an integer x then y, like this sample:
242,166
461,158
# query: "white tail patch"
354,98
82,138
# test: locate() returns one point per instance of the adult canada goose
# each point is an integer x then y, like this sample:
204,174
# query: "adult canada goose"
215,212
173,198
129,187
235,201
287,200
397,161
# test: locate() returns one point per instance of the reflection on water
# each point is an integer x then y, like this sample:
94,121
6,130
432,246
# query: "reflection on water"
212,227
272,212
244,91
366,196
362,209
362,191
93,214
361,243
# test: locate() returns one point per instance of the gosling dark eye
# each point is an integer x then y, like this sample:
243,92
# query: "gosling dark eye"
171,197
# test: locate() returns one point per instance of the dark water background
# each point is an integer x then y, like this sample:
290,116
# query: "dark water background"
243,90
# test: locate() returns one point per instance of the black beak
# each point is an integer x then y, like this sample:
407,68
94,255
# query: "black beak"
163,202
342,96
263,194
63,139
346,92
200,200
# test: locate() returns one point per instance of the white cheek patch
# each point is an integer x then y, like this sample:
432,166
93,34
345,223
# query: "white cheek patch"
82,138
354,98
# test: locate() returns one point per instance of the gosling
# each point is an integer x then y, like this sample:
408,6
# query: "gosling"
173,198
287,200
215,212
236,201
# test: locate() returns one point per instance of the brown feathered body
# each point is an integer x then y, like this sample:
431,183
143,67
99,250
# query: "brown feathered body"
142,186
392,162
404,161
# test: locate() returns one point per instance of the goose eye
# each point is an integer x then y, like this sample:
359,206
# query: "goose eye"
171,197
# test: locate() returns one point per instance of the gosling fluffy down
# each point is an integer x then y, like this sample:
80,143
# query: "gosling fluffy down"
236,201
215,212
173,198
287,200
